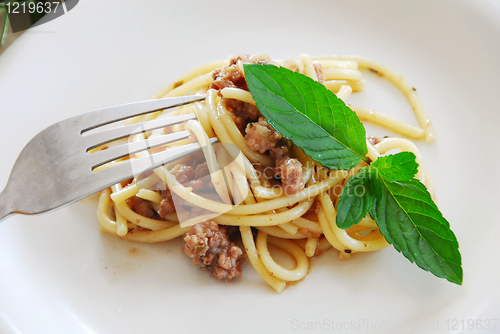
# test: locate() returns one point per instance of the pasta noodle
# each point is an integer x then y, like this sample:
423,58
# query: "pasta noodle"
301,223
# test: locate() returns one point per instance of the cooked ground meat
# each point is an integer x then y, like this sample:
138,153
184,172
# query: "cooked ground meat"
183,173
144,209
290,172
201,179
241,112
133,202
208,245
166,205
140,206
260,136
201,170
279,152
229,76
188,177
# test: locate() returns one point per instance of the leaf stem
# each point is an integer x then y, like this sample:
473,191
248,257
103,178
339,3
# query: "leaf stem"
4,30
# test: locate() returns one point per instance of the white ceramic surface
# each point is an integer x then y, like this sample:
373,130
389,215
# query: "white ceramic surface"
59,274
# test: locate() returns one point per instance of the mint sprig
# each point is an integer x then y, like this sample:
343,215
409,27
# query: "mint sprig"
308,114
313,118
407,216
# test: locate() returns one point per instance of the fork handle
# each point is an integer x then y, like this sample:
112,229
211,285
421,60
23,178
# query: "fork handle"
6,207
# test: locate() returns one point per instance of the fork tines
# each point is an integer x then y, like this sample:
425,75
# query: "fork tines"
136,165
121,112
122,171
101,138
100,158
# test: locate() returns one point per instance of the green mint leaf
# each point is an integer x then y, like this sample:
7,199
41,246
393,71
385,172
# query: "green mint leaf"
410,220
308,114
396,167
355,201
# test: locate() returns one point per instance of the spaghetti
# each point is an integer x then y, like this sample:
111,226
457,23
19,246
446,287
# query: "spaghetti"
288,201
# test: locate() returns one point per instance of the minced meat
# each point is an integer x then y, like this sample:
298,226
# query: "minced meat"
241,112
166,205
229,76
208,245
290,172
260,136
183,173
140,206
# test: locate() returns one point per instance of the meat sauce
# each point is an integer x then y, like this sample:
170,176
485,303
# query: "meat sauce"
207,243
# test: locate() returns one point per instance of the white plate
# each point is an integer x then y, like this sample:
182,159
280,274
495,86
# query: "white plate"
58,274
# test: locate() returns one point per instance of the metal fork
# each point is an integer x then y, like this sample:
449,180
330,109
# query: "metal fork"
55,168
